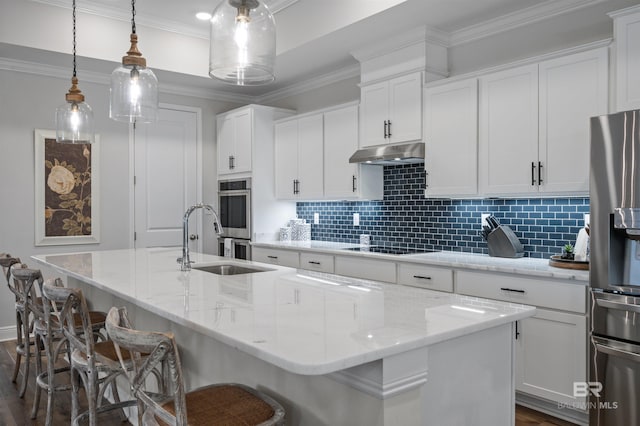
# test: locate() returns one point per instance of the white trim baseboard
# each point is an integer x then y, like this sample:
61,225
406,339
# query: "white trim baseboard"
7,333
551,408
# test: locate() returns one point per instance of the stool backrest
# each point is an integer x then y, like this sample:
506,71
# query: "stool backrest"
6,262
69,304
160,349
27,286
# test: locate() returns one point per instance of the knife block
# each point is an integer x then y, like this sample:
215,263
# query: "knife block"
502,242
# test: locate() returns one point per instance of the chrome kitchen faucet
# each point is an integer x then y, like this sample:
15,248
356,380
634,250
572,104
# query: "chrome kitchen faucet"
185,262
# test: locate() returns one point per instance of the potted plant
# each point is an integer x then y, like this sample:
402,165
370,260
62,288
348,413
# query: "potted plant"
567,252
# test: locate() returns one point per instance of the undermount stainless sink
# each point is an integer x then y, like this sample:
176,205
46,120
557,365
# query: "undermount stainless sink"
230,269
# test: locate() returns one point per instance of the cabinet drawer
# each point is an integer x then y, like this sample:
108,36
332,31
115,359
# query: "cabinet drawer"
369,269
276,257
544,293
317,262
429,277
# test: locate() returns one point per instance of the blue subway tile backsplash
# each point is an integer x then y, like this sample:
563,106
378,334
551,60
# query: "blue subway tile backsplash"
405,217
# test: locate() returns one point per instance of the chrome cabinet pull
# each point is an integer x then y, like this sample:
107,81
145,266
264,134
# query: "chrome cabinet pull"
517,331
385,129
232,162
313,262
389,128
272,257
421,277
513,290
353,183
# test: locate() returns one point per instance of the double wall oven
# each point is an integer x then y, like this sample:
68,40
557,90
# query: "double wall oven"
234,201
614,375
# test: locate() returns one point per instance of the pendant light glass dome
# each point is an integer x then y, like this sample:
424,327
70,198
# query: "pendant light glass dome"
74,118
134,87
243,43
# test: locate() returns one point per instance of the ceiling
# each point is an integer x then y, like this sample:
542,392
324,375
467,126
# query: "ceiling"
315,38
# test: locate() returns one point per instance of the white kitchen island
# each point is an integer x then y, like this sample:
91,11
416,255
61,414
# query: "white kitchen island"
333,350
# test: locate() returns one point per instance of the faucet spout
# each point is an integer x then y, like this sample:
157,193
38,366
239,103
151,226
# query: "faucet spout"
185,261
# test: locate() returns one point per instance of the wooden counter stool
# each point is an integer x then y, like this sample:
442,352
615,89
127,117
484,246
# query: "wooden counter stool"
95,363
6,261
227,403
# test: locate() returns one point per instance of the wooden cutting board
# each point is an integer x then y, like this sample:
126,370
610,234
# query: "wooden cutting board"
558,262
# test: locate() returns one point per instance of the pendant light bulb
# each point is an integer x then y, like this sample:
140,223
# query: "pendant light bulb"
243,43
74,118
134,87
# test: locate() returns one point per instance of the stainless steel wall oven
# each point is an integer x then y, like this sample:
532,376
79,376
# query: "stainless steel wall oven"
234,201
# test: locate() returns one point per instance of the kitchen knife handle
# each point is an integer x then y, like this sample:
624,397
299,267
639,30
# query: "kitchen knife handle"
533,173
539,172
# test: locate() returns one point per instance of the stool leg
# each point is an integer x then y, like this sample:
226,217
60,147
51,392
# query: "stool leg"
38,359
19,343
27,353
75,389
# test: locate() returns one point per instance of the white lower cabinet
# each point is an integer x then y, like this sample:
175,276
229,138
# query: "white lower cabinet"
366,268
425,276
551,355
551,347
276,257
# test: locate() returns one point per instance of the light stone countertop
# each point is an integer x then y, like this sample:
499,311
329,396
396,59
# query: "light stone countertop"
304,322
453,259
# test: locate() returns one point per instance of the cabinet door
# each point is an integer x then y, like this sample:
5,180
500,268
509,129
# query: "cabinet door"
627,54
286,158
551,355
572,89
340,142
508,145
243,142
405,108
451,139
226,142
374,102
310,157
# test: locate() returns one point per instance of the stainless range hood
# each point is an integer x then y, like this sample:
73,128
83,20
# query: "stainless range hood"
412,152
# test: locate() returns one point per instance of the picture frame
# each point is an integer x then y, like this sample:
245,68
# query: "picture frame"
67,191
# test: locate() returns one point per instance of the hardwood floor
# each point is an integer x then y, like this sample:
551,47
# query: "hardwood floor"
15,411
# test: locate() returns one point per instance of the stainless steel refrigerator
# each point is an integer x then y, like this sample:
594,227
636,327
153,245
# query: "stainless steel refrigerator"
614,340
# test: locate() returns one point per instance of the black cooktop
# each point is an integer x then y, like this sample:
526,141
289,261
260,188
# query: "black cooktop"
391,250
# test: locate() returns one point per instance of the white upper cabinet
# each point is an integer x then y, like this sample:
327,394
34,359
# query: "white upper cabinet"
451,139
626,31
299,158
344,180
534,125
235,137
391,111
572,89
508,131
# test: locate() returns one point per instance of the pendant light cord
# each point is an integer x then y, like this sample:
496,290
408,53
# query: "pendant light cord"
74,38
133,16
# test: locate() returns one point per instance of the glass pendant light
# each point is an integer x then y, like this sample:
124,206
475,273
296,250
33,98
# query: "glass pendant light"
134,87
74,118
243,43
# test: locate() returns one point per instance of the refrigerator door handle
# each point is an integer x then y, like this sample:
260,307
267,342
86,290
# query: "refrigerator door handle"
617,305
602,346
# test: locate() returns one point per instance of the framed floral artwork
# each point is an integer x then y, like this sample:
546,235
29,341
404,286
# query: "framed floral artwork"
67,182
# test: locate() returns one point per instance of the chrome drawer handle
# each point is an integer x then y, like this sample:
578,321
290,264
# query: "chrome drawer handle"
421,277
512,290
631,356
617,305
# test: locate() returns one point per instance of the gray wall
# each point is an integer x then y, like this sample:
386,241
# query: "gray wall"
28,102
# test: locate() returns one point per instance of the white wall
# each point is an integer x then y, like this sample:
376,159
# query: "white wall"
29,101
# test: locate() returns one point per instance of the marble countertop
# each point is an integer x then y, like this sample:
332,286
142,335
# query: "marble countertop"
453,259
304,322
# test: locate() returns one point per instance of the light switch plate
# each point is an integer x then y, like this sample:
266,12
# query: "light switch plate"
316,218
484,219
356,219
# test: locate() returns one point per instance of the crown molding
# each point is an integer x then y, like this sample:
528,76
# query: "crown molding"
63,73
310,84
530,15
625,11
409,38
